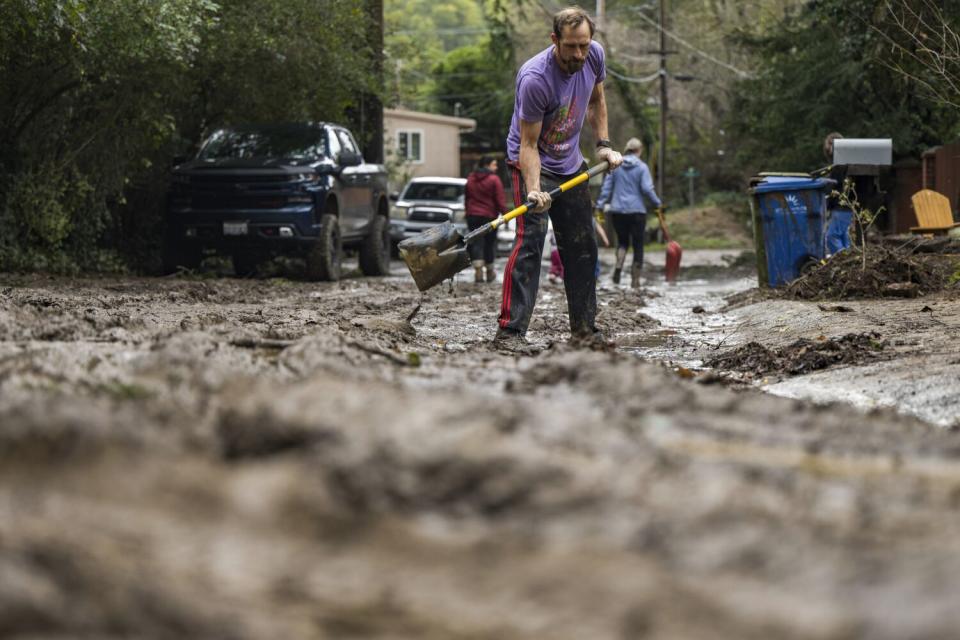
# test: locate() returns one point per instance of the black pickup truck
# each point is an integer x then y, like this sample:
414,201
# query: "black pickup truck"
253,192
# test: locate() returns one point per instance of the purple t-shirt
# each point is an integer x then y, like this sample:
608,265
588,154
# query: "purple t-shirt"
548,94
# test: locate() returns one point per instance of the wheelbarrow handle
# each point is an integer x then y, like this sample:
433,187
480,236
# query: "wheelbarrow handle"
596,169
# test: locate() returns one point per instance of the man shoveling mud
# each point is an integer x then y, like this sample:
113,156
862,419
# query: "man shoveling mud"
557,90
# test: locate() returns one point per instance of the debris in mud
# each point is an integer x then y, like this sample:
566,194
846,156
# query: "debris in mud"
802,356
889,272
839,308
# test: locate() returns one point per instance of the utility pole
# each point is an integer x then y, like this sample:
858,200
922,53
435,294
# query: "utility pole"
662,147
601,9
371,110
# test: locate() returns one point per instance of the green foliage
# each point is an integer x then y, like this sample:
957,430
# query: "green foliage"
96,97
736,202
826,68
477,82
419,34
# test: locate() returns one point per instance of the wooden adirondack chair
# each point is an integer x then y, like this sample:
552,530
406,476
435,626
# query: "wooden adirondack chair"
933,213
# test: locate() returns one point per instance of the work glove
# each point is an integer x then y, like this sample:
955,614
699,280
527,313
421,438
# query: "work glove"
612,157
598,216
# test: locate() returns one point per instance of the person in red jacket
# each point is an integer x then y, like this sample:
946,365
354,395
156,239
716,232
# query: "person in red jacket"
484,201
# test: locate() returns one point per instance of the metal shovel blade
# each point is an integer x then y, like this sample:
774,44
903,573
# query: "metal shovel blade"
435,255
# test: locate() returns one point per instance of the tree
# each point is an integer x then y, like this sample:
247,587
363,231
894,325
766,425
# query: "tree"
925,47
84,104
826,68
96,97
419,34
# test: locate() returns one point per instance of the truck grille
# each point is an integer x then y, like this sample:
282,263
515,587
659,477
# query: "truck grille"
210,201
430,214
228,180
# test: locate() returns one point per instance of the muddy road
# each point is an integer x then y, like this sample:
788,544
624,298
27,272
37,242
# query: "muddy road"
222,458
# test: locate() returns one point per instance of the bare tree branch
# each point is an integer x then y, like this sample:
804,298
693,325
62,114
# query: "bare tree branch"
922,35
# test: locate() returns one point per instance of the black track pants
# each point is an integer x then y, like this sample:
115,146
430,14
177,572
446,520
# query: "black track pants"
630,228
484,248
577,242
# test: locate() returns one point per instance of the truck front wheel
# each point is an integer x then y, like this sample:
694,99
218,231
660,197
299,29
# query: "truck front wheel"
323,258
375,250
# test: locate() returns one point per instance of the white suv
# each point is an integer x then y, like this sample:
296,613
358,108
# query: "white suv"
426,202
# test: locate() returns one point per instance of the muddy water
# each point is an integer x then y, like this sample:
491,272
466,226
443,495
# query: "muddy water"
219,458
689,312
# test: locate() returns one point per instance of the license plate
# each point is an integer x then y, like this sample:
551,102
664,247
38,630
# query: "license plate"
234,228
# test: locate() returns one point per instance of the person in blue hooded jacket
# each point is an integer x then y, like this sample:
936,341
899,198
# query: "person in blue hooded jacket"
622,197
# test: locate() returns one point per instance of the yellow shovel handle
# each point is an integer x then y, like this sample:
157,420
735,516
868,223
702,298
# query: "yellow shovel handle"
566,186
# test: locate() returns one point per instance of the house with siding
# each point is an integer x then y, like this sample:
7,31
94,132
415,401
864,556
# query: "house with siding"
423,144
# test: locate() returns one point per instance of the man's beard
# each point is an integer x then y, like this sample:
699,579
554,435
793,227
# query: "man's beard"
573,65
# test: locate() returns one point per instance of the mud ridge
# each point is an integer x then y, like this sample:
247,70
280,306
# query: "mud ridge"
802,356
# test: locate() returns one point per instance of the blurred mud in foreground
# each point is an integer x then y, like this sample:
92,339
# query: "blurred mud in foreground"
271,459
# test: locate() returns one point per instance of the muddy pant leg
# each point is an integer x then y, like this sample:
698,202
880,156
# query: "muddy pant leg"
489,246
622,226
475,249
577,242
521,277
636,236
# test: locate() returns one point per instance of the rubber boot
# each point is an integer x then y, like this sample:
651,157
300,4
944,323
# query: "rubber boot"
635,276
478,270
616,275
491,273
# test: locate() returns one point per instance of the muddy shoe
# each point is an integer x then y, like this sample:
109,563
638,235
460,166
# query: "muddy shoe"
478,271
595,341
616,275
491,273
635,278
508,341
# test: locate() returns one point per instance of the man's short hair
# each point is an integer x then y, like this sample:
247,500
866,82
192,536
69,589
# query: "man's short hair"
571,17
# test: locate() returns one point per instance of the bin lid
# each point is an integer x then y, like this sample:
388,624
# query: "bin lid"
785,183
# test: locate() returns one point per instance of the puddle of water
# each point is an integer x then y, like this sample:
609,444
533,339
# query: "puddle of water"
684,330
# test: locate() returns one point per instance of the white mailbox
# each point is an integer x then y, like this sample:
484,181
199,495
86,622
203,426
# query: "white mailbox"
871,151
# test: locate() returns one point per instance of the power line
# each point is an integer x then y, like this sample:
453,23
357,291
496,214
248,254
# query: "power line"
650,78
727,65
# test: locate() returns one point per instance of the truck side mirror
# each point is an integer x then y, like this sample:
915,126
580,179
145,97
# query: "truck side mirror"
349,159
178,160
394,196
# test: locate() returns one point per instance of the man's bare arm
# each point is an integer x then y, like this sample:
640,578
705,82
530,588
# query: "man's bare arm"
597,117
530,163
597,113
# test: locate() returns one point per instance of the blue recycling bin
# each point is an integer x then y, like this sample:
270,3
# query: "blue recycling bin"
788,225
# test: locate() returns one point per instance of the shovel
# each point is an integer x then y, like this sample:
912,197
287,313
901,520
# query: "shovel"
673,250
440,252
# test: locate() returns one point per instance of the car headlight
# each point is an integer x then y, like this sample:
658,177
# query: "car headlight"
306,177
399,210
459,214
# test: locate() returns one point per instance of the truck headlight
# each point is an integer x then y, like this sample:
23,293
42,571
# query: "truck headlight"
399,210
